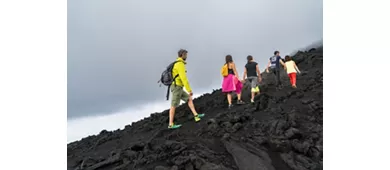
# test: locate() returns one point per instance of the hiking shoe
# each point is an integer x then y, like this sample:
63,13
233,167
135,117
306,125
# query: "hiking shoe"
174,126
240,102
230,106
200,115
197,117
252,101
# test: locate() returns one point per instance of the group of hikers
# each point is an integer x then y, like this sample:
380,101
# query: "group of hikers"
233,83
175,78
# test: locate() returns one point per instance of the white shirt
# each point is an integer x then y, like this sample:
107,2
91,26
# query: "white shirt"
290,67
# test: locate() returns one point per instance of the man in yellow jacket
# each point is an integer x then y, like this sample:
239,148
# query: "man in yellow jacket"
177,90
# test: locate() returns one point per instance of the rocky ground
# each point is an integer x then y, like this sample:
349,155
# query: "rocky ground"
282,130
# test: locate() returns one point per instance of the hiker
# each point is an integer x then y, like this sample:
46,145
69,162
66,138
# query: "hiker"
252,71
274,63
178,93
292,70
231,82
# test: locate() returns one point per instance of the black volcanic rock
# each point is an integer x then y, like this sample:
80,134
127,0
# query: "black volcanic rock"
282,130
246,160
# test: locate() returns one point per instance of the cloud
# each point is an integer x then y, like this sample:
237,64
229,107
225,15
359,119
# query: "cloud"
118,49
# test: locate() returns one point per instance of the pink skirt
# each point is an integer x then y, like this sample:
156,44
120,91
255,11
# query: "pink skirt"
231,84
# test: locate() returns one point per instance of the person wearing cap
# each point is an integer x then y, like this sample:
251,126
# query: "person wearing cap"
177,90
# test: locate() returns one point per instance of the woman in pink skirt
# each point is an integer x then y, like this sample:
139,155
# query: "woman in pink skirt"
231,82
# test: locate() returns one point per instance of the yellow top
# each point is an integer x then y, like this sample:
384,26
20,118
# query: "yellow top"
290,67
181,80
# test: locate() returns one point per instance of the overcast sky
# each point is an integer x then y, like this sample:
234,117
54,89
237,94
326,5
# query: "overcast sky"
118,49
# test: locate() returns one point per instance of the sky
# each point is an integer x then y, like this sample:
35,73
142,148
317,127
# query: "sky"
118,49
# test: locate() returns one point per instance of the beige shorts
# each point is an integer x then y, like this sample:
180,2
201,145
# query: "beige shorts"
178,94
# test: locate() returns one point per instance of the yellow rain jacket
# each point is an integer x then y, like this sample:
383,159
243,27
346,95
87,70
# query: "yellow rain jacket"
181,80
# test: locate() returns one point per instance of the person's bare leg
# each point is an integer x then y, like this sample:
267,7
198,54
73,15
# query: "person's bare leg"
171,115
253,96
192,107
229,97
239,96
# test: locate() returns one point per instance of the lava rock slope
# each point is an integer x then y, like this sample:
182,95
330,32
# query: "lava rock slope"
282,130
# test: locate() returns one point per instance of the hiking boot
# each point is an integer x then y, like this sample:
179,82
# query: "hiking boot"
197,117
174,126
240,102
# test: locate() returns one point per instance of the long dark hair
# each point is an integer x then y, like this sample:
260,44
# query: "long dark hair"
249,58
228,59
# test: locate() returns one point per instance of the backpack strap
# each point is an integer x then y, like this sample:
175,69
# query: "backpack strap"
172,70
169,87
